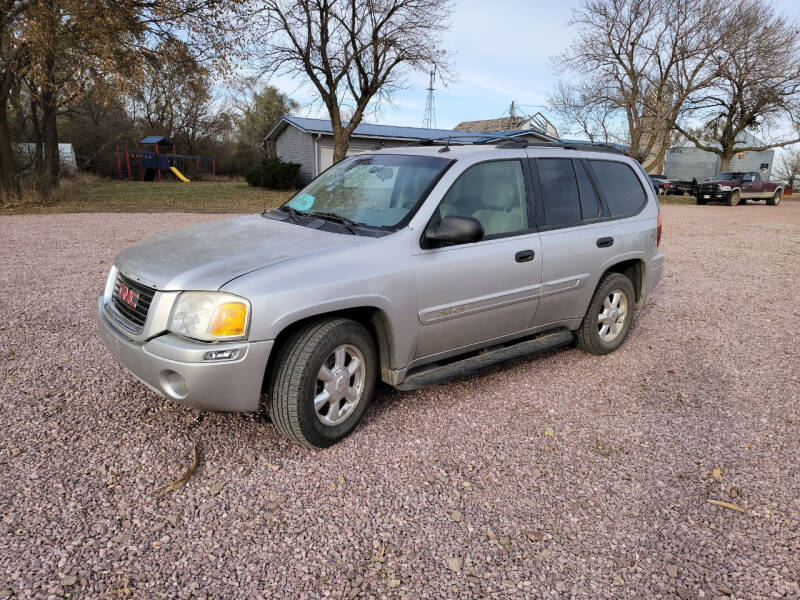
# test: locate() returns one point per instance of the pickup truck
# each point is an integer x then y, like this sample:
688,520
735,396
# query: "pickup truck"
737,187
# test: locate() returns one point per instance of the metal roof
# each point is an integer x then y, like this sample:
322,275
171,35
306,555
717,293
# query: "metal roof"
156,139
393,132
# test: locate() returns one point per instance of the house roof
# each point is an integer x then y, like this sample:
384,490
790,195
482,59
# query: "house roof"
501,124
156,139
388,132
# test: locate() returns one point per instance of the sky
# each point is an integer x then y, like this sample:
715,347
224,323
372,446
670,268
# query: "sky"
501,51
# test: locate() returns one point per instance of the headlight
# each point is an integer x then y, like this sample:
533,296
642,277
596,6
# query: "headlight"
210,316
725,188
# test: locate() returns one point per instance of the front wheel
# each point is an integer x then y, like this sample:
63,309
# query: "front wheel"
609,316
701,201
322,382
776,198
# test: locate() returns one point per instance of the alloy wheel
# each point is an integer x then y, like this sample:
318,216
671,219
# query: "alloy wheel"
340,385
611,319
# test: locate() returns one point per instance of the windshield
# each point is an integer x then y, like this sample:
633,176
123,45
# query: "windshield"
378,190
729,176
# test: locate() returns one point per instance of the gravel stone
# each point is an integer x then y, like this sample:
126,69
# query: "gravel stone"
707,379
672,571
454,564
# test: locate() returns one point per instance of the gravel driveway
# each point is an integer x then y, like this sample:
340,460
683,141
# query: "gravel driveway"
568,475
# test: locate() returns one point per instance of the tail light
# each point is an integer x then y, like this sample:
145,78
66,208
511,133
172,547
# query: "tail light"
658,230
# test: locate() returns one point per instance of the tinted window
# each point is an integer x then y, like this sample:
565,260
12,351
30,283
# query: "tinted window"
493,193
620,186
559,192
590,204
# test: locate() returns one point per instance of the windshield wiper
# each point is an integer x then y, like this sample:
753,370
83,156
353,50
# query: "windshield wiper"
292,212
348,224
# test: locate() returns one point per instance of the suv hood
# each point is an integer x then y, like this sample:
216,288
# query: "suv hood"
208,255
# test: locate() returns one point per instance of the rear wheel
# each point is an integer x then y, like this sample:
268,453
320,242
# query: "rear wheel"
609,316
322,382
776,198
734,198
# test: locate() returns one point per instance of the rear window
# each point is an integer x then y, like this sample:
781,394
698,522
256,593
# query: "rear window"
562,207
621,187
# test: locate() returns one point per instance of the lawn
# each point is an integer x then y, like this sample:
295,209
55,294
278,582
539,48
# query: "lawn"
92,194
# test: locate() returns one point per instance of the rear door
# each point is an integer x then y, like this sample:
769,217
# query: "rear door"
577,236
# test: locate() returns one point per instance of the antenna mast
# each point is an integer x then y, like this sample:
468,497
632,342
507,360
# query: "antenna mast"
429,121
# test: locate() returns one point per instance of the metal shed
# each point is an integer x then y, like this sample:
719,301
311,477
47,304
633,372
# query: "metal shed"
686,162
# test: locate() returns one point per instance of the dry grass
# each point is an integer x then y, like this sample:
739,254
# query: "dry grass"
677,199
87,193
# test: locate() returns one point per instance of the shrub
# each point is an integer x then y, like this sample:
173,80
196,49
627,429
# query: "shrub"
275,174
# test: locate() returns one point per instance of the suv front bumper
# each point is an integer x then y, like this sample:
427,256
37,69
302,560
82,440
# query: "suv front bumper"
175,368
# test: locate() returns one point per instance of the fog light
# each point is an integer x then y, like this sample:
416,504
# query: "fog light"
174,385
221,354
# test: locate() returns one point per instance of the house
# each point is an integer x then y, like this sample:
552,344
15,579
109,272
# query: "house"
309,142
537,122
685,161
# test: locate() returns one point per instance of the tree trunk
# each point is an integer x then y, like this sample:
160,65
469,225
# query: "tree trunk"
38,157
8,180
340,146
50,135
725,161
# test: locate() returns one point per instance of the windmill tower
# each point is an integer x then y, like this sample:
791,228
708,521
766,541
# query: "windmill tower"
429,121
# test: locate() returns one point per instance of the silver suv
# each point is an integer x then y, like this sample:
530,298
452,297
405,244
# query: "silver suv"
414,265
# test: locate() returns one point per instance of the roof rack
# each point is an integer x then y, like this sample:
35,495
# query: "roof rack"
450,140
588,146
504,142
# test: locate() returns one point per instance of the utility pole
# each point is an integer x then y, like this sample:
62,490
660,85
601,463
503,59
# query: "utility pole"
511,125
429,121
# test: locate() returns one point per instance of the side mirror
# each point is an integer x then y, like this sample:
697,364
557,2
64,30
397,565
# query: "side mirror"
451,231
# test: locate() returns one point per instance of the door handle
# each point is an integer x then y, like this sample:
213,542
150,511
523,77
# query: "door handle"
605,242
524,256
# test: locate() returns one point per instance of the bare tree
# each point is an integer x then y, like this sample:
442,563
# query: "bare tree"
756,84
353,52
584,110
788,166
643,59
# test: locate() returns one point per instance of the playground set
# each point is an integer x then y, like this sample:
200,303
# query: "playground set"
147,165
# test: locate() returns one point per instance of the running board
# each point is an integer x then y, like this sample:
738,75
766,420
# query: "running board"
431,375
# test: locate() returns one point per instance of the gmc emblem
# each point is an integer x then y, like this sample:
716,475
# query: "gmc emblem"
127,295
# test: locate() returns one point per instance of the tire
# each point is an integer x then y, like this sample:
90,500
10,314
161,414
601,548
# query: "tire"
702,202
295,382
776,198
589,334
734,198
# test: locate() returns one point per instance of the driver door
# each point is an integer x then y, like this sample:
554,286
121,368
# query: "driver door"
472,293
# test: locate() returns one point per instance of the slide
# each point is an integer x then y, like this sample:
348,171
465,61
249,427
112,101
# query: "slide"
179,175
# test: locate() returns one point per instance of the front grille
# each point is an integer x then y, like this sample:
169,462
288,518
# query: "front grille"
135,315
708,187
